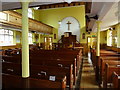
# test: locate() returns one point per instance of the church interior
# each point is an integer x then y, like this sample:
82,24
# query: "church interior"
60,44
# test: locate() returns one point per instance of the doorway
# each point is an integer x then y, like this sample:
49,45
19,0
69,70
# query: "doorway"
91,42
88,43
48,43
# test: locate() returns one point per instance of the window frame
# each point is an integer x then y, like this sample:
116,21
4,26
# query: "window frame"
7,36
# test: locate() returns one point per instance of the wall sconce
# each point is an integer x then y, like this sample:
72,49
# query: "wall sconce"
59,22
113,28
89,31
36,8
110,28
83,36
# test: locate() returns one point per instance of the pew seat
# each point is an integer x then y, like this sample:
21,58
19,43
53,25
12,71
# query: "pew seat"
116,80
14,81
109,69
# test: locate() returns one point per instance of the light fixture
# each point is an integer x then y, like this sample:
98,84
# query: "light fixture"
68,1
36,8
59,22
110,28
94,17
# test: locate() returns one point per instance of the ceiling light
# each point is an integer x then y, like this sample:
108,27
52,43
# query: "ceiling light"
68,1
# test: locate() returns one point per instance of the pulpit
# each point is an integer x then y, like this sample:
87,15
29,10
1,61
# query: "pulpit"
68,39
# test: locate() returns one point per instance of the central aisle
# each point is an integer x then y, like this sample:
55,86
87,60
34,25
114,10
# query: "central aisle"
88,75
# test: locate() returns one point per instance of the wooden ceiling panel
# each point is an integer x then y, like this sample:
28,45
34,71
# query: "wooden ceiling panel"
59,5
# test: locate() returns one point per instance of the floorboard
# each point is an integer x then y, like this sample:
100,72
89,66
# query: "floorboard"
88,75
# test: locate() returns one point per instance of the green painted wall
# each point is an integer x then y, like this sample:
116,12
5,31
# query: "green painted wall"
36,15
18,37
52,16
103,37
114,34
19,11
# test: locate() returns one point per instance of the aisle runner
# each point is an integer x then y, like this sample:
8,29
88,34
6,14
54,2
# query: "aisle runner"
88,75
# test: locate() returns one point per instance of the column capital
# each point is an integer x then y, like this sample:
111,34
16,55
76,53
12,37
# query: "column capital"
27,1
98,22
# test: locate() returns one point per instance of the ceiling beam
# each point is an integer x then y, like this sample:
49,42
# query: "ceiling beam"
60,5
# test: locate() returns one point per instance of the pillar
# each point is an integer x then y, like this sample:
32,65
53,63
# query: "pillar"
98,38
118,35
97,52
25,44
39,40
14,35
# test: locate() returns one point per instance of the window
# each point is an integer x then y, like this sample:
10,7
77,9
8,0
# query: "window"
30,13
116,40
110,39
30,38
6,37
3,16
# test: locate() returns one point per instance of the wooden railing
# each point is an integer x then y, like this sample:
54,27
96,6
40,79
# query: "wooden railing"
14,19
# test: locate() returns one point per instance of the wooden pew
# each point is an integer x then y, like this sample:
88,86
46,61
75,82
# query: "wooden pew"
109,69
15,69
102,53
102,67
14,81
51,70
36,61
57,54
43,61
37,70
61,55
12,68
12,52
14,59
116,80
52,55
57,63
96,60
2,52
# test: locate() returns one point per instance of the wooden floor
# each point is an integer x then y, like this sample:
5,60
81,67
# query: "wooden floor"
88,75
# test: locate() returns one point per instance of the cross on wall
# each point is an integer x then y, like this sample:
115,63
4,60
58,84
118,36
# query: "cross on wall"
68,25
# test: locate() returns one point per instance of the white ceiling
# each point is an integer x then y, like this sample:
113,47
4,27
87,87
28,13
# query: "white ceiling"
108,15
111,17
105,9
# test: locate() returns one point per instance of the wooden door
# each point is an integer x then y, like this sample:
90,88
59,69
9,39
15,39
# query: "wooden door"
48,43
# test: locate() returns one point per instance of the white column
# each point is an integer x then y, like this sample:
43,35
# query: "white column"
25,44
98,38
118,35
